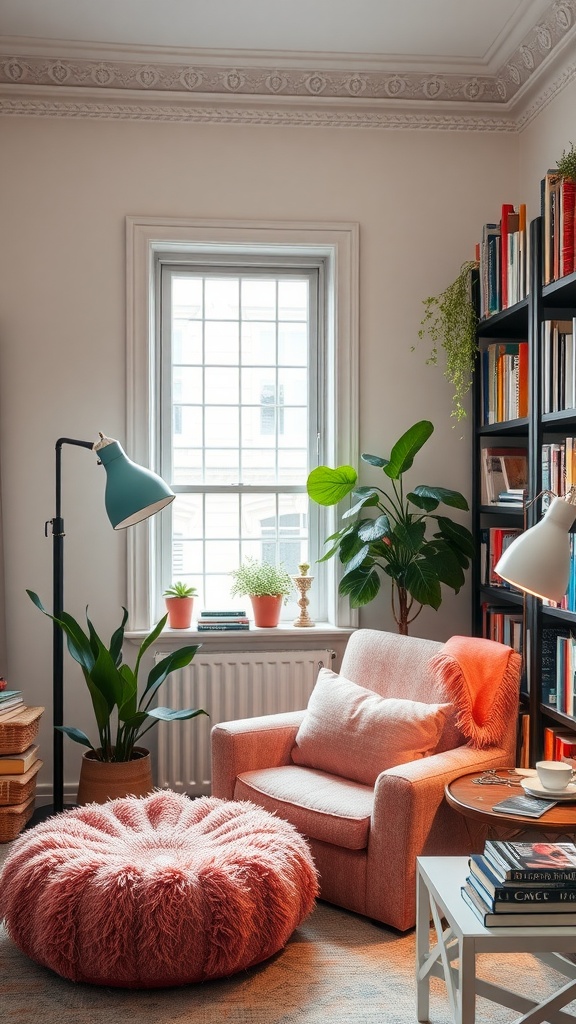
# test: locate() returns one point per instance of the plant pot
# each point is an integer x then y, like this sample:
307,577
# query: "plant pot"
105,780
179,611
266,610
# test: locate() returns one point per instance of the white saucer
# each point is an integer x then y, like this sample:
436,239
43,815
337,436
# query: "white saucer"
535,788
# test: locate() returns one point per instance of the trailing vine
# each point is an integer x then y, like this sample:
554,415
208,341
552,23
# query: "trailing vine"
450,323
567,164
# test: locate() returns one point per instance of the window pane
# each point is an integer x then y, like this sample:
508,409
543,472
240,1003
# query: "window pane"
292,344
186,384
187,466
293,386
258,343
222,516
222,466
222,386
187,341
293,300
258,300
187,296
187,431
221,426
221,342
222,296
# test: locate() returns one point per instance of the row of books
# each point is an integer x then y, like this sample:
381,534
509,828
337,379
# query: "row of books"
558,365
222,621
493,542
559,745
504,479
557,202
504,381
502,258
503,626
522,884
11,701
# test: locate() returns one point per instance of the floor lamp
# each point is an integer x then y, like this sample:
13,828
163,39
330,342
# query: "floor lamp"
132,494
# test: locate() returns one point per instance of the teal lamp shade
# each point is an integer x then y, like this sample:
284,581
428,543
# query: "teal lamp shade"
538,561
132,492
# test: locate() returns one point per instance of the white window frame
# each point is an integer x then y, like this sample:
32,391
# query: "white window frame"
337,245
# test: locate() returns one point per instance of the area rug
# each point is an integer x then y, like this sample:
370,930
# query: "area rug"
337,968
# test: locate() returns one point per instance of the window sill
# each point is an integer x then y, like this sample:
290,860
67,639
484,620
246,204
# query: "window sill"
305,638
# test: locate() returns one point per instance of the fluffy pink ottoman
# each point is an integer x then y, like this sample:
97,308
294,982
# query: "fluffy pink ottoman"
158,891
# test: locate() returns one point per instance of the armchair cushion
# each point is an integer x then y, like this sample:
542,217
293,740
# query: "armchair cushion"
354,733
319,806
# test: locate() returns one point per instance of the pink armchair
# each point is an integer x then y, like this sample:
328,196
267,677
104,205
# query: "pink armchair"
365,833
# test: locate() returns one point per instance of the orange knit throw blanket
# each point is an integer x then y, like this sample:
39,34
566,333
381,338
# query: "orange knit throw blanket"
481,678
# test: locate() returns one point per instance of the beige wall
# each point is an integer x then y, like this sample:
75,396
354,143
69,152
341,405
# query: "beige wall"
420,199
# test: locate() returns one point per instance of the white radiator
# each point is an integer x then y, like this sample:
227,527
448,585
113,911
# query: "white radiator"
227,686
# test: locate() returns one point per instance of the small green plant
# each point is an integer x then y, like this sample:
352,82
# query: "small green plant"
394,541
261,579
567,163
122,716
450,322
180,590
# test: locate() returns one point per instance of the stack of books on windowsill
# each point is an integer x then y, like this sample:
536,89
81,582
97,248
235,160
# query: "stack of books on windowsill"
222,621
516,884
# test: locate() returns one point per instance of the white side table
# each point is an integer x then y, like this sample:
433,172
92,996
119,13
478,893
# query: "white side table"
461,937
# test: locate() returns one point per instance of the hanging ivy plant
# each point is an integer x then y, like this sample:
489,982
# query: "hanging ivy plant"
567,164
450,323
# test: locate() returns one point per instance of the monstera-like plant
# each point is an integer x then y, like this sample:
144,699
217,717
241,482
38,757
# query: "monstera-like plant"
402,537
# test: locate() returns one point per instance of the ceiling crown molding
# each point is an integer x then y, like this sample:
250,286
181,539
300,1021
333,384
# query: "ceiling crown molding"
75,80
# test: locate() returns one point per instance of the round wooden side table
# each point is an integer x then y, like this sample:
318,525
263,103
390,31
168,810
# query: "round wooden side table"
476,801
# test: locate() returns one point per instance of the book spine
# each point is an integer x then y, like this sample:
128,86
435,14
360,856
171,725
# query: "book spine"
223,614
223,627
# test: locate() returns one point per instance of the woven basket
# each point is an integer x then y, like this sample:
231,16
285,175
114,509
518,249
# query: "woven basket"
17,789
13,819
16,734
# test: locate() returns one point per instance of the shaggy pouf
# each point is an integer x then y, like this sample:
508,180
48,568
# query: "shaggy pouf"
157,891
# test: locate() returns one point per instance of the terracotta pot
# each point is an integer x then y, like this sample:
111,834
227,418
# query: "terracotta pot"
179,611
105,780
267,610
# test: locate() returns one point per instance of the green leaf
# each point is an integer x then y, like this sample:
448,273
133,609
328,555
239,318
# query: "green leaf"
75,734
443,561
361,586
422,583
425,503
375,460
403,452
442,495
146,643
117,640
409,535
359,558
170,715
374,529
370,498
329,486
457,535
175,660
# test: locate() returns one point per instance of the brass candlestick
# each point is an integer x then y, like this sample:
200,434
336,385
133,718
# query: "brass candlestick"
303,583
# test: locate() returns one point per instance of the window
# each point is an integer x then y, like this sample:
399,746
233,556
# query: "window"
234,349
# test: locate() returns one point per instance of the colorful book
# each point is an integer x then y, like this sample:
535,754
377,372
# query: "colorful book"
221,614
222,618
17,764
503,891
528,919
532,862
221,627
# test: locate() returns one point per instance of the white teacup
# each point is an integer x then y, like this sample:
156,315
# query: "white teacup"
554,774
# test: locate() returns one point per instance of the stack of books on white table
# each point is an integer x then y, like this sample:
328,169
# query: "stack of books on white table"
523,884
222,621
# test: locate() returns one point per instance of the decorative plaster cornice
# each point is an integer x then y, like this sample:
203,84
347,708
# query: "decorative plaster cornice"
141,85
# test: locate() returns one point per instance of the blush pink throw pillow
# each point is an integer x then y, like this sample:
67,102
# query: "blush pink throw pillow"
353,732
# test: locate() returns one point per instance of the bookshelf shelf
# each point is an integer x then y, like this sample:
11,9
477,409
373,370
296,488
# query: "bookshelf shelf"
530,320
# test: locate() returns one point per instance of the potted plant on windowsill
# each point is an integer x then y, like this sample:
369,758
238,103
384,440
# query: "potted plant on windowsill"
179,600
117,766
266,585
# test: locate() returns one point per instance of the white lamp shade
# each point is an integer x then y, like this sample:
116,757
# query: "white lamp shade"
538,561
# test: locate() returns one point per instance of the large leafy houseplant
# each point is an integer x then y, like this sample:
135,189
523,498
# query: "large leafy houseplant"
123,715
394,541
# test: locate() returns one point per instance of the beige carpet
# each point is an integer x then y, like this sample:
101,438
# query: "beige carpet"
336,969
